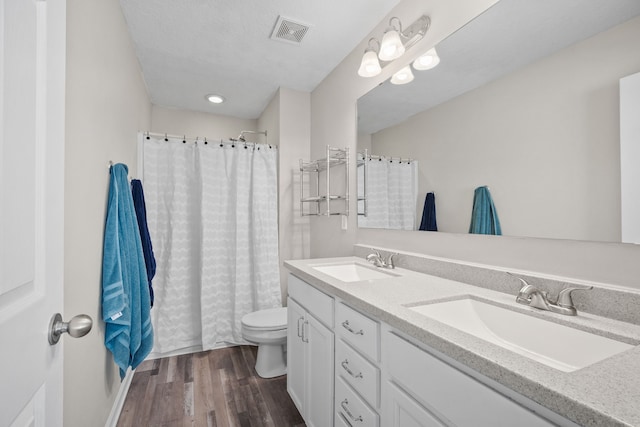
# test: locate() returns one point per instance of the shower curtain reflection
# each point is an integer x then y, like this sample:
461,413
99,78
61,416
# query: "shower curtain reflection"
389,187
212,212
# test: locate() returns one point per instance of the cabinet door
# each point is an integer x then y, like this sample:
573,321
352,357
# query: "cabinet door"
295,354
403,411
319,373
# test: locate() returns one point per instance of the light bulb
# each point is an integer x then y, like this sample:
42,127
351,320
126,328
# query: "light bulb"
391,47
215,99
370,66
403,76
427,60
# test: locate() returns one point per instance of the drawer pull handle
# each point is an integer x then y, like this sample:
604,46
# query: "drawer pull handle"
349,414
299,333
345,366
345,325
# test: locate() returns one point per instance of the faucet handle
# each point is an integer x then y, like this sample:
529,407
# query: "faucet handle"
564,297
525,284
389,261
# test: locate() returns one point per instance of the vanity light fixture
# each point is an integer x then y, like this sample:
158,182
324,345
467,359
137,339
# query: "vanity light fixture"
215,98
370,66
395,42
427,60
391,47
403,76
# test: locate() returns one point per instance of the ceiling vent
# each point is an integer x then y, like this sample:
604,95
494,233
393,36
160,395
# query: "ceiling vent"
289,31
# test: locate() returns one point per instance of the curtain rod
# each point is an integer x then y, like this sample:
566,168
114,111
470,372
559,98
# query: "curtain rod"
184,138
399,159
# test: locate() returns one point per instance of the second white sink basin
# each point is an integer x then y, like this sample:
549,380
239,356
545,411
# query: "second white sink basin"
556,345
353,271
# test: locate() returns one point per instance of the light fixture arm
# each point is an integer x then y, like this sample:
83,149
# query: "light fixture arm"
399,24
373,48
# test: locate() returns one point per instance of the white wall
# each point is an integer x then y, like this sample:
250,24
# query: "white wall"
197,124
287,121
333,106
106,104
545,139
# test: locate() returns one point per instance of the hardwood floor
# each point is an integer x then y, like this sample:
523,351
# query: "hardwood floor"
216,388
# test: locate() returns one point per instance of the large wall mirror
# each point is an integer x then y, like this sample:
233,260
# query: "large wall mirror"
524,101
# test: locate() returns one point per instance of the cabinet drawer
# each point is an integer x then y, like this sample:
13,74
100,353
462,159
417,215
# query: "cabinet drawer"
363,376
449,393
349,405
314,301
358,330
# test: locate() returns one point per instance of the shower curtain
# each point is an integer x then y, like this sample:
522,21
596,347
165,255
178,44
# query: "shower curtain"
212,212
391,192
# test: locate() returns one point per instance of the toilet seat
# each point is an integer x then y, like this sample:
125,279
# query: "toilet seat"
268,320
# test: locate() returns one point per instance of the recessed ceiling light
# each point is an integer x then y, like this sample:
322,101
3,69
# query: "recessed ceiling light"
215,99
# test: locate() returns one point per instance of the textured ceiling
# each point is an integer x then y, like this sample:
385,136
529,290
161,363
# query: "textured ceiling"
508,36
189,48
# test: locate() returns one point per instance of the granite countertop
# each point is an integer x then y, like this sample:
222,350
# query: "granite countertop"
606,393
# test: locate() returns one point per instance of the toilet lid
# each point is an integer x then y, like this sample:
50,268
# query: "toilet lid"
272,318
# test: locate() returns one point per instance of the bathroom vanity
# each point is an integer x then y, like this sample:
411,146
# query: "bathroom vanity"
362,351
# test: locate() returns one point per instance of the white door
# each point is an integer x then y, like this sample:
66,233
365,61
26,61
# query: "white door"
295,354
32,76
319,373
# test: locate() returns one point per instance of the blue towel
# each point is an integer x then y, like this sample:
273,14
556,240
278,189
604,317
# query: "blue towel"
147,249
125,296
484,218
428,222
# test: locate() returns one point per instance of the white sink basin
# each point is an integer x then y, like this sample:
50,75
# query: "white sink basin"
559,346
353,271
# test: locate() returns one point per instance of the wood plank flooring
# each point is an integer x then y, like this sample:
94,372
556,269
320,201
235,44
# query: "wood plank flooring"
217,388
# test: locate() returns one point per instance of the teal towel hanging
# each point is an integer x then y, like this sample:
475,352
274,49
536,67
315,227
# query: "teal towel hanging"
484,217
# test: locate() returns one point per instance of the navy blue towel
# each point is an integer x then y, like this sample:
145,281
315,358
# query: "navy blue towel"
428,222
147,248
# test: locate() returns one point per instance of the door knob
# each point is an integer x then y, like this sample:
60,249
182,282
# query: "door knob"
77,327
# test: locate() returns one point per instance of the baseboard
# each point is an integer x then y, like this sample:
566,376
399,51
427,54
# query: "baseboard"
114,415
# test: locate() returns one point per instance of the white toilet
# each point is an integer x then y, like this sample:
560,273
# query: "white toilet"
268,329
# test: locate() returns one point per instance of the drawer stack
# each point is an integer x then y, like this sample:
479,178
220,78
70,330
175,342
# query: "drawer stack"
357,382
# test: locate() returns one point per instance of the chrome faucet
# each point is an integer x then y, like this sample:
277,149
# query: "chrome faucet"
534,297
378,260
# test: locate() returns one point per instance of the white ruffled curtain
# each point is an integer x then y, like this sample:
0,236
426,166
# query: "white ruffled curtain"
391,192
212,214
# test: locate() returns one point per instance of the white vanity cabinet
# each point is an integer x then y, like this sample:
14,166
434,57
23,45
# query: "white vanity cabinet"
310,352
422,390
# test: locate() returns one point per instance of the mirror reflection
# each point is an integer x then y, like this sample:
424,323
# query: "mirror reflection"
525,103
